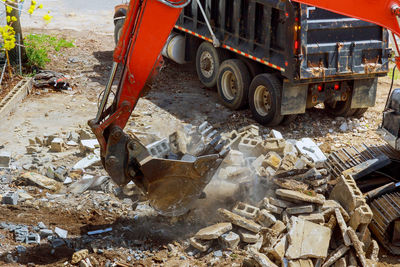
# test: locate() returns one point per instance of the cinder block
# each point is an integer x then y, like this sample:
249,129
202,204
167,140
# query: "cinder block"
271,208
361,215
202,245
159,149
252,129
234,158
347,194
10,198
229,240
265,218
32,238
274,144
272,159
250,147
57,145
5,158
248,237
21,234
300,209
246,210
233,139
276,134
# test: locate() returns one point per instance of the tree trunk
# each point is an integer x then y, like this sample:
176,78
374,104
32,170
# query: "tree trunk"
14,58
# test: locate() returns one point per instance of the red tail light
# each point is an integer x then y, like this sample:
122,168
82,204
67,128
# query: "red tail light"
319,87
336,87
296,45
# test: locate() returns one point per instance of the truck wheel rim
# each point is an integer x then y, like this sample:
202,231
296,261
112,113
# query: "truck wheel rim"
262,100
229,85
206,64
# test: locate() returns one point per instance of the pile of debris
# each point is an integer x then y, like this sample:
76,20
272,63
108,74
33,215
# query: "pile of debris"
294,223
294,228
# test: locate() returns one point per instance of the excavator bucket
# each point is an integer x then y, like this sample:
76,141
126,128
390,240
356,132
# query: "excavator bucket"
171,185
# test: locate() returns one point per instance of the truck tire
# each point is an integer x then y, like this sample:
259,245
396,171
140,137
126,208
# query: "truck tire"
265,99
288,119
360,112
118,29
340,108
233,81
208,61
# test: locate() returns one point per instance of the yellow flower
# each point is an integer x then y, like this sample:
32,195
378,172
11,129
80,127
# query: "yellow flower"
33,3
9,9
40,6
30,11
13,18
47,18
8,19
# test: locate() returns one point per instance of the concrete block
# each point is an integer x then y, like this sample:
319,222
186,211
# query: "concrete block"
336,255
343,227
278,227
266,172
257,163
340,262
61,232
272,159
347,194
233,139
32,238
239,220
86,162
20,234
361,215
330,205
250,147
301,263
10,198
290,184
300,209
279,249
265,218
45,233
213,231
274,144
358,246
271,208
88,145
248,237
374,251
79,255
294,195
57,145
246,210
5,158
262,259
307,147
202,245
280,203
313,217
234,158
288,162
33,149
229,240
159,149
275,134
252,129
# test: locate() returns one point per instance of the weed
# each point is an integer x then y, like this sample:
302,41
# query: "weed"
38,47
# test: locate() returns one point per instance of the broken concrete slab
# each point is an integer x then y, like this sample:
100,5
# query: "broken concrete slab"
202,245
261,259
272,159
307,147
290,184
347,193
213,231
248,237
61,232
88,145
335,255
302,237
239,220
301,263
41,181
279,249
358,246
313,217
274,144
79,255
342,226
86,162
234,158
271,208
290,194
278,227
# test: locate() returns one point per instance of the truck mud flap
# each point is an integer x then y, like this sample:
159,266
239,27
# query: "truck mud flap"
294,98
364,93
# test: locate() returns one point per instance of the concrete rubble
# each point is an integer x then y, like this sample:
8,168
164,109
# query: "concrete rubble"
286,208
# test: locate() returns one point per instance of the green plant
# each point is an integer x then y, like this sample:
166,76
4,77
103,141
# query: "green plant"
396,74
38,47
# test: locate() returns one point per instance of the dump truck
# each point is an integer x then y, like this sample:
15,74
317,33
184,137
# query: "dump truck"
278,57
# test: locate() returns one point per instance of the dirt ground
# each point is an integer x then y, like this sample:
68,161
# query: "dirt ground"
177,96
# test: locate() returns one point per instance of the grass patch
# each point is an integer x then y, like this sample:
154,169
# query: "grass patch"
38,47
396,74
